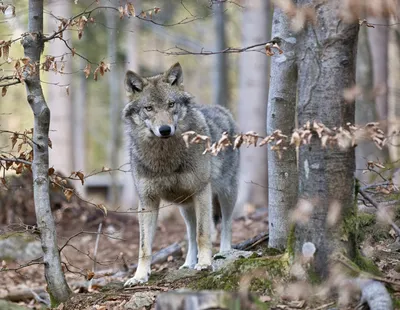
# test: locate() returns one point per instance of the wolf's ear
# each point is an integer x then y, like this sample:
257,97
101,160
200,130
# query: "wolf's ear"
133,82
174,75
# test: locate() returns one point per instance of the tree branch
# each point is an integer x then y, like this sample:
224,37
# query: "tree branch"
376,205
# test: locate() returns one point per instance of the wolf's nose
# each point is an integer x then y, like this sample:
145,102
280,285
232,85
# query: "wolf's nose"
165,130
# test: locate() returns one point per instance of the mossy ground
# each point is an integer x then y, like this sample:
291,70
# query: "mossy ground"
260,271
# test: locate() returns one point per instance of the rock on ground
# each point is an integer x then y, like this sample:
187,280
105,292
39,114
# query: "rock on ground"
140,300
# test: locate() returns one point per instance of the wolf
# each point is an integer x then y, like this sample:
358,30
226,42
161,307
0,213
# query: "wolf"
165,169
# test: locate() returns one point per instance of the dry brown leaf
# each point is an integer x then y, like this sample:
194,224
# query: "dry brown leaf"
81,176
4,91
68,193
103,208
87,70
89,275
131,9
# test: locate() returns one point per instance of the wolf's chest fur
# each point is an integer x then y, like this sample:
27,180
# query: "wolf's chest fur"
169,170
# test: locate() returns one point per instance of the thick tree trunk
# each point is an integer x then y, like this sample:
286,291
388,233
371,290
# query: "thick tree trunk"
221,61
365,105
252,106
60,103
282,172
327,63
33,46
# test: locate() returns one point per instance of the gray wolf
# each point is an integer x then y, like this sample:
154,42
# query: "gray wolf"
164,169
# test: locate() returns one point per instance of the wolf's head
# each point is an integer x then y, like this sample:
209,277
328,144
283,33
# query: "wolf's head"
156,103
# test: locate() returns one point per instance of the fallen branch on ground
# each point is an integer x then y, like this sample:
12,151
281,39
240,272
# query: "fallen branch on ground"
252,242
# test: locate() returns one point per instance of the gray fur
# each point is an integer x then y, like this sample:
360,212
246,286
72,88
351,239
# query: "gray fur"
374,294
164,169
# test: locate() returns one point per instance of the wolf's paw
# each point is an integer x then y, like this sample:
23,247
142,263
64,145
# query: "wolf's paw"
200,267
187,266
135,281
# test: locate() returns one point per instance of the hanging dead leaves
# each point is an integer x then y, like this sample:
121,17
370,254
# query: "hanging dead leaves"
21,158
102,68
342,137
5,49
274,43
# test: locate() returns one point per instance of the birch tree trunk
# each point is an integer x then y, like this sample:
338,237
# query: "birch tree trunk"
327,64
221,63
252,109
282,173
33,47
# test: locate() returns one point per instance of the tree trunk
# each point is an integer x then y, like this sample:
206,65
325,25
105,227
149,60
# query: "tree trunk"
327,63
282,173
60,103
33,47
365,104
114,82
79,120
252,106
129,198
379,41
394,87
221,62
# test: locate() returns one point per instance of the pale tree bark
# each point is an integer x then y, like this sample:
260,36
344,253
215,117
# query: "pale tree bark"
79,93
327,64
60,103
252,106
129,195
221,60
379,43
365,104
115,107
394,91
33,46
282,172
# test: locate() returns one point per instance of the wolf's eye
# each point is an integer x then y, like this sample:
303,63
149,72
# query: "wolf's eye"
149,108
171,104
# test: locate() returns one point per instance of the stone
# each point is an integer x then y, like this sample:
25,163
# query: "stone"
19,247
140,300
222,260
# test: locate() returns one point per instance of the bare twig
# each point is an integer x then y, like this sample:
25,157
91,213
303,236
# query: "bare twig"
376,205
96,246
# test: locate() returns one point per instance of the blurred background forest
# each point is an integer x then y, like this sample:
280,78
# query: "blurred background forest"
86,128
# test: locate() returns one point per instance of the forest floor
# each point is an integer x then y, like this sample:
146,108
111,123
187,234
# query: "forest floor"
118,248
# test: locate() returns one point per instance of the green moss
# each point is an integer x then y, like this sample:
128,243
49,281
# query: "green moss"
228,279
366,264
396,303
155,277
291,242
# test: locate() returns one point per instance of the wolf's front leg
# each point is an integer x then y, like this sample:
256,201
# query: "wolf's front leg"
189,216
203,209
148,213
